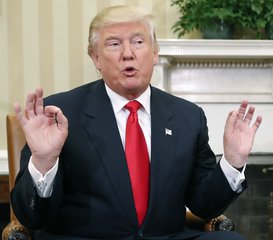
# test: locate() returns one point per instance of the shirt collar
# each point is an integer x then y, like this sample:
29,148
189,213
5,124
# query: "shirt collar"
118,102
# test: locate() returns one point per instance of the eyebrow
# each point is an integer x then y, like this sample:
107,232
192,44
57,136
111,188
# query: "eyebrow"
113,37
108,38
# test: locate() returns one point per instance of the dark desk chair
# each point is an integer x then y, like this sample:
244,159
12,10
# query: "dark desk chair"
15,230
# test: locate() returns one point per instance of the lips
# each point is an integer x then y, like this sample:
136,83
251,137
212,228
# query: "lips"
129,71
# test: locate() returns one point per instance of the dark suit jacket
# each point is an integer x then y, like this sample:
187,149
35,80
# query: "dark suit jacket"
92,195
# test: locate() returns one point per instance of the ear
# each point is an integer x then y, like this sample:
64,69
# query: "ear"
155,56
95,57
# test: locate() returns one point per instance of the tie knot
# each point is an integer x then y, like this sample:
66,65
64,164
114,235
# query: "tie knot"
133,106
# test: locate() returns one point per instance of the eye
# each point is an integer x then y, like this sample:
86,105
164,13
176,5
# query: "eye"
113,45
138,43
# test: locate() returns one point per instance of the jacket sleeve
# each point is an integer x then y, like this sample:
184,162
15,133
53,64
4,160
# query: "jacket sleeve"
31,210
209,193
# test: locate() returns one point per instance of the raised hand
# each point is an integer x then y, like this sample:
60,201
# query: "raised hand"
45,128
239,134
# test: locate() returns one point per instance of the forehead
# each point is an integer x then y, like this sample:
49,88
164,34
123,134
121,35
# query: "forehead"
124,29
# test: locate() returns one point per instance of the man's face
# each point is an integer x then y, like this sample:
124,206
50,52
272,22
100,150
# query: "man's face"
125,56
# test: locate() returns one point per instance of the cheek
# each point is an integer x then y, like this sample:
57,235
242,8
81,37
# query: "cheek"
109,59
109,67
148,62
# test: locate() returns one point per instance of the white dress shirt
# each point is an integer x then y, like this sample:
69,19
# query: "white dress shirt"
121,114
44,184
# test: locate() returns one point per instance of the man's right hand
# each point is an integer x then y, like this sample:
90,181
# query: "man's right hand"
45,128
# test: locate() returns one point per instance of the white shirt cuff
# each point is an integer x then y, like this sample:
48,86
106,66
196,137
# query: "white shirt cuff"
234,177
43,184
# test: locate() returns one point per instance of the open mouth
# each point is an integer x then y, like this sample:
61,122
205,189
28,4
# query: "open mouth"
129,71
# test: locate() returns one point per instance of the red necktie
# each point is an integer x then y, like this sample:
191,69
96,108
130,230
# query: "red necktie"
137,160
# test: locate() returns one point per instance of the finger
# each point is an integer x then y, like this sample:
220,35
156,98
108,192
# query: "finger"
61,119
19,115
39,103
249,115
231,120
29,108
242,109
51,112
56,115
257,123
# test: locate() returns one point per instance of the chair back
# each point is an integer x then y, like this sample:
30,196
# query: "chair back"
15,142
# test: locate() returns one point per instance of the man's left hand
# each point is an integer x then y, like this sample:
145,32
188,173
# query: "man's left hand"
239,134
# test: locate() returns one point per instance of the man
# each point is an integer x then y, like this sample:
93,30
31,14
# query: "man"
76,179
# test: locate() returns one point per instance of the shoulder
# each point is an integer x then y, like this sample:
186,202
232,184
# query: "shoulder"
173,102
74,98
73,94
183,113
75,91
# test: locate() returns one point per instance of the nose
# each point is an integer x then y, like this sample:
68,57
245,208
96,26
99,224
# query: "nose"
127,53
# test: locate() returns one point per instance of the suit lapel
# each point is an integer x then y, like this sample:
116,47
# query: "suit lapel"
163,139
101,122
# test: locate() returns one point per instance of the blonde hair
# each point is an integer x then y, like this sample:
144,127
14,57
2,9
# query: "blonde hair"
119,14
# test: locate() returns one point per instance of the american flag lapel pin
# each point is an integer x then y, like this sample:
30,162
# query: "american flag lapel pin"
168,132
